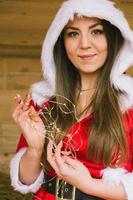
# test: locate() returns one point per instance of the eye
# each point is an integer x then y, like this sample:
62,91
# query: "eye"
72,34
97,32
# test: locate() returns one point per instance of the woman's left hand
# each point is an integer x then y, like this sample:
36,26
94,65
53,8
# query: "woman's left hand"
68,169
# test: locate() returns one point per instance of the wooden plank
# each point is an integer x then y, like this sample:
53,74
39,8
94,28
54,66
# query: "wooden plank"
7,96
10,149
126,1
10,129
5,114
24,37
127,9
5,159
14,21
2,81
2,65
20,51
28,14
30,6
123,1
10,146
7,104
22,65
20,6
22,81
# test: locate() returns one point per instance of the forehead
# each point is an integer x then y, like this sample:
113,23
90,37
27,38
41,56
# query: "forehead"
79,20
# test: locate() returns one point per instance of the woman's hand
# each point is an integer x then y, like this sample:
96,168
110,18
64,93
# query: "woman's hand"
30,123
68,169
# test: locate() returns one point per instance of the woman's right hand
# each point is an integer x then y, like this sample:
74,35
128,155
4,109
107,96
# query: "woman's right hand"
30,123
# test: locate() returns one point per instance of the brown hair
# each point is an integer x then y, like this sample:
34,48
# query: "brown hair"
107,137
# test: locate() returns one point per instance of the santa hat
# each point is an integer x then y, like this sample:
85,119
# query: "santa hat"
102,9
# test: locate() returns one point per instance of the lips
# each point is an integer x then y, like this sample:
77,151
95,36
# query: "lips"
87,56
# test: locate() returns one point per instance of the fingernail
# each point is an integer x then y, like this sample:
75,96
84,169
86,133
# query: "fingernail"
28,96
17,98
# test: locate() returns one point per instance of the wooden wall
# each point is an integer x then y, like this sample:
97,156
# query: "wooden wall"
23,25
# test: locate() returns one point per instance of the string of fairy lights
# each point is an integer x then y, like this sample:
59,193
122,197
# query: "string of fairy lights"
53,131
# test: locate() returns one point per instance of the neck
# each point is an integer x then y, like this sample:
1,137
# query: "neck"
85,93
88,81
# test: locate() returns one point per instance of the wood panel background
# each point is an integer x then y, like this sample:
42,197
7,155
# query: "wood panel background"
23,25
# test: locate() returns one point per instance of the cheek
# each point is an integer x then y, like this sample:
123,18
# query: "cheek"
70,50
102,49
102,46
103,55
70,46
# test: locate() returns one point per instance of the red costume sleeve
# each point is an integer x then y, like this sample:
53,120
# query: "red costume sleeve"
131,134
129,129
22,143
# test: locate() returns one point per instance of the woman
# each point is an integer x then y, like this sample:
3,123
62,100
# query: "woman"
78,128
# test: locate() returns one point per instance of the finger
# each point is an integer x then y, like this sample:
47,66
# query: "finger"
17,111
23,118
58,149
34,115
17,98
50,157
64,169
58,157
72,162
27,102
65,153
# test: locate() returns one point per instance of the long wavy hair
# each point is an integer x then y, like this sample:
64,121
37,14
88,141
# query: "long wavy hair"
107,137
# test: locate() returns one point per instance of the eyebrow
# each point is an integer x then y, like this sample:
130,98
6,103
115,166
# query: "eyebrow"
90,27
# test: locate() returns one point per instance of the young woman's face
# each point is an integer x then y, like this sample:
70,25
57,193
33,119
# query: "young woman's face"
85,43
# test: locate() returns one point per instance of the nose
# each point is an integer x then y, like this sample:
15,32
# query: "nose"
85,42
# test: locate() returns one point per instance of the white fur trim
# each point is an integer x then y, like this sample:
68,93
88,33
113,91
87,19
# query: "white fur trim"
14,174
41,92
103,9
112,175
119,176
127,181
125,83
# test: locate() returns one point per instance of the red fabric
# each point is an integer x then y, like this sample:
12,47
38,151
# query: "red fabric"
79,141
22,143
